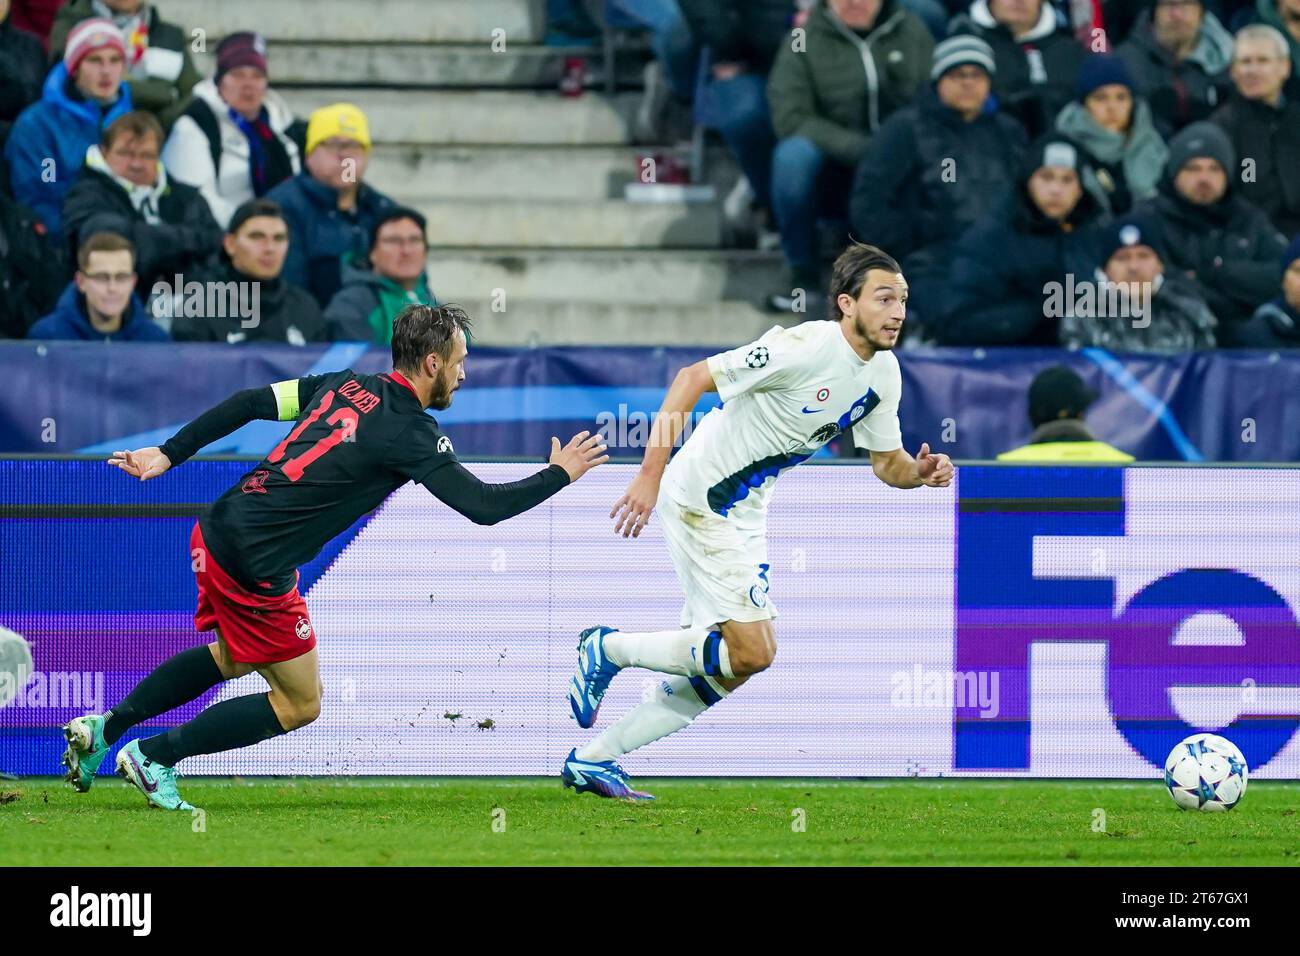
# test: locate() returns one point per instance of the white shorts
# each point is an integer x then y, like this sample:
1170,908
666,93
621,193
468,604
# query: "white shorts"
722,567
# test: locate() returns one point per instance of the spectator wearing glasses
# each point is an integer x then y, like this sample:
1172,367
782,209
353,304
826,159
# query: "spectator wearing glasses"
330,210
379,285
99,304
125,189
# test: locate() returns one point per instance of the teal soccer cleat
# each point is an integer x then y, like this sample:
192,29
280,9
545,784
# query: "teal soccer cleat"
156,782
86,750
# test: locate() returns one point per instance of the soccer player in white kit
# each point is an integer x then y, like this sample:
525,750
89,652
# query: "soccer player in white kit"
783,397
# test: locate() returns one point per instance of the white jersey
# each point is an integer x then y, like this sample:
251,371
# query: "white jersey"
783,397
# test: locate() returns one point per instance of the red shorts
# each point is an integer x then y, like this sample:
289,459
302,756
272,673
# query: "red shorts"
257,629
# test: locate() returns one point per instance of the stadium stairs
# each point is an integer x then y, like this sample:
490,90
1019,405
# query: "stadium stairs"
522,186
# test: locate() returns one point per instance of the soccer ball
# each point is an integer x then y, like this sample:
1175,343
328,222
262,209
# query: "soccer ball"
1206,772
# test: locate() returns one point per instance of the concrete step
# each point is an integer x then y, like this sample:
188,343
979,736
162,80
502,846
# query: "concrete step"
532,324
582,173
467,65
374,21
489,117
560,223
660,278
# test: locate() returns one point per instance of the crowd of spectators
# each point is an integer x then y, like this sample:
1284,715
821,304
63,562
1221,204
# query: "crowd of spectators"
1023,159
140,201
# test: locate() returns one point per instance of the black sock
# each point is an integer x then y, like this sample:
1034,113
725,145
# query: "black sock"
228,725
176,681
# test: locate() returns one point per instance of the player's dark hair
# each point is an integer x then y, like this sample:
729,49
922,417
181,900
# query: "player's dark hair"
421,329
104,242
850,272
261,206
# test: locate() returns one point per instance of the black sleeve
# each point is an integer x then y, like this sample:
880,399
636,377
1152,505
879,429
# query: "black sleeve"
422,453
484,503
218,422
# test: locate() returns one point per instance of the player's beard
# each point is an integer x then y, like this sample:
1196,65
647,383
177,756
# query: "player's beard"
442,389
878,344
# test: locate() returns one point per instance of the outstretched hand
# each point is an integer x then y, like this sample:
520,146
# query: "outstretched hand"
145,463
580,455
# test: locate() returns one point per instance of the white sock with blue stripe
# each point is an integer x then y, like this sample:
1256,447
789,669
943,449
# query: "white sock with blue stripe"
676,702
687,652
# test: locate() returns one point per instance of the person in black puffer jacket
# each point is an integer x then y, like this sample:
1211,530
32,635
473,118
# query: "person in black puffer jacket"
1047,235
268,308
1215,237
935,169
125,189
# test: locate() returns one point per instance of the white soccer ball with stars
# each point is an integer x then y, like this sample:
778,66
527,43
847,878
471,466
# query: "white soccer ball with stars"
1206,772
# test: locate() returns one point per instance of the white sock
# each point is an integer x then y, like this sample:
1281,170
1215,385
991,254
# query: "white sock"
676,702
687,652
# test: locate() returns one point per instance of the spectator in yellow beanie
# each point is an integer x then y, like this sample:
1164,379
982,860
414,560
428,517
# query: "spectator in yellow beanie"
330,210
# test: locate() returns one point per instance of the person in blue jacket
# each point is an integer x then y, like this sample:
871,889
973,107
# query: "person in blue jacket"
99,304
47,147
330,210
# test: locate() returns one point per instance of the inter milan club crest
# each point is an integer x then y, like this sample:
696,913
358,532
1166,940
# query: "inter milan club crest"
757,357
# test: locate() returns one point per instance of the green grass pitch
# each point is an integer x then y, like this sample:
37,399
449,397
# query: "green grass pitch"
505,821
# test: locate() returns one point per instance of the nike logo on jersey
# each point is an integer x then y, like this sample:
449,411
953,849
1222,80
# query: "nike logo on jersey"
811,411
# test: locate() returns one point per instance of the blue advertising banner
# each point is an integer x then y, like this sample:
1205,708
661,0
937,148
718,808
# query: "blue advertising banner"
65,397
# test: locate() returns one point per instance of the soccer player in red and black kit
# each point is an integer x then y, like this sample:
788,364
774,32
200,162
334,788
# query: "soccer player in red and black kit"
357,439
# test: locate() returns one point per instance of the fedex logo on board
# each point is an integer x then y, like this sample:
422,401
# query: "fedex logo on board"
1189,579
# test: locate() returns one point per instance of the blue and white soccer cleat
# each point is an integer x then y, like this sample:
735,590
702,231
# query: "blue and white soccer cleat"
595,671
156,782
604,778
86,750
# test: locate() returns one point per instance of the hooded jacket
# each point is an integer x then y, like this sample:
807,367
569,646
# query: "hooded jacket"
207,150
182,233
1124,168
284,312
904,198
1036,73
1271,137
1184,92
840,90
320,235
69,321
60,127
1002,266
159,84
364,309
